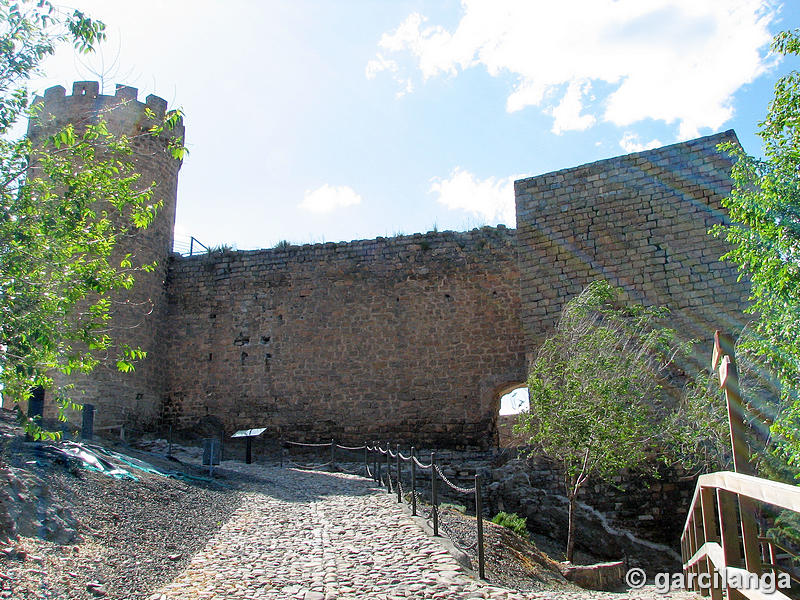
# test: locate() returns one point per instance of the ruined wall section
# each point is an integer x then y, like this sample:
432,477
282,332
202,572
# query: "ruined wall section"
137,314
640,221
403,339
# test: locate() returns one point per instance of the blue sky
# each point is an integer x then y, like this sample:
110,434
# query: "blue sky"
317,121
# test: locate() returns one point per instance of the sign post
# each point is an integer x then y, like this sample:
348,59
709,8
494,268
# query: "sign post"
249,434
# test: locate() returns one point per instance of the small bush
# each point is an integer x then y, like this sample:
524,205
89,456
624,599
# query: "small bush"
221,249
513,521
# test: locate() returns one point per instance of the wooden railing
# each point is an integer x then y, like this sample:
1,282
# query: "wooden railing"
721,547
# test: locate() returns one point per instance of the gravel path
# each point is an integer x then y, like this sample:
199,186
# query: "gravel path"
136,535
309,535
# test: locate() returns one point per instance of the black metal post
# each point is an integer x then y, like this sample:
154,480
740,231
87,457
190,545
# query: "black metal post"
434,495
169,446
333,448
366,459
375,455
479,518
35,408
413,484
87,428
398,472
248,450
388,468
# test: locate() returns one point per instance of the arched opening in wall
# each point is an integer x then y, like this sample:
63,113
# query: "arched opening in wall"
513,401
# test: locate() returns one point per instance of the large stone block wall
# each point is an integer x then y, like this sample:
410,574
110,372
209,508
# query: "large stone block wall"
640,221
408,339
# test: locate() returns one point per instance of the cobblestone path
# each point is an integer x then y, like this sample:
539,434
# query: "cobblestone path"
319,536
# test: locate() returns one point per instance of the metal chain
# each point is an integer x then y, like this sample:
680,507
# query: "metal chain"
420,465
392,454
351,447
404,458
309,467
309,445
452,485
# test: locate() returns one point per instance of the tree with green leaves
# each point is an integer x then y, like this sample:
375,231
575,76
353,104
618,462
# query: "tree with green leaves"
65,205
764,233
701,438
594,389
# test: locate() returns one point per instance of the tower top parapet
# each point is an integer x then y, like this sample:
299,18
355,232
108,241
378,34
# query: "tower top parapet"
123,112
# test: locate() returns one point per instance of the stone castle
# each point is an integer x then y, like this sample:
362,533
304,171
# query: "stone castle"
413,338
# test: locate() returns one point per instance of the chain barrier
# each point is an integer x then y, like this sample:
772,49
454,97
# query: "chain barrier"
349,447
307,467
304,444
453,485
376,474
420,465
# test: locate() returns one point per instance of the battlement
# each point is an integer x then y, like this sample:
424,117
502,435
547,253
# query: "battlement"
415,253
123,111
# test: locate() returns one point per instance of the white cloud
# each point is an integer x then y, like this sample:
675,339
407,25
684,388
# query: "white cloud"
677,61
567,115
490,199
328,198
630,143
378,65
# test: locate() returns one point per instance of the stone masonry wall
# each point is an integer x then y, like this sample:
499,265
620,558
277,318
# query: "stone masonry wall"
137,314
640,221
407,339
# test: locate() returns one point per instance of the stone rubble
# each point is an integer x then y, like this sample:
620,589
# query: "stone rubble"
310,535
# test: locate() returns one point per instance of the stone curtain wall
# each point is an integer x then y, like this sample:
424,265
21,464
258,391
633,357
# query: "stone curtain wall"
407,339
640,221
404,339
137,314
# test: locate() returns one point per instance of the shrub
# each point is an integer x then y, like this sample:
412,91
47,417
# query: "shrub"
512,521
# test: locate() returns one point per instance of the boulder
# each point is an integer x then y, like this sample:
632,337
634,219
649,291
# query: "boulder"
606,577
27,509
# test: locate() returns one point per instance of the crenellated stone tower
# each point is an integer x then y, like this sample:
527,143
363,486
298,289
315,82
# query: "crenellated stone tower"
137,314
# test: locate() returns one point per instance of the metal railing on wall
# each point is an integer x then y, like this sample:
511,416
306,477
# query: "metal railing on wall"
188,247
385,467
